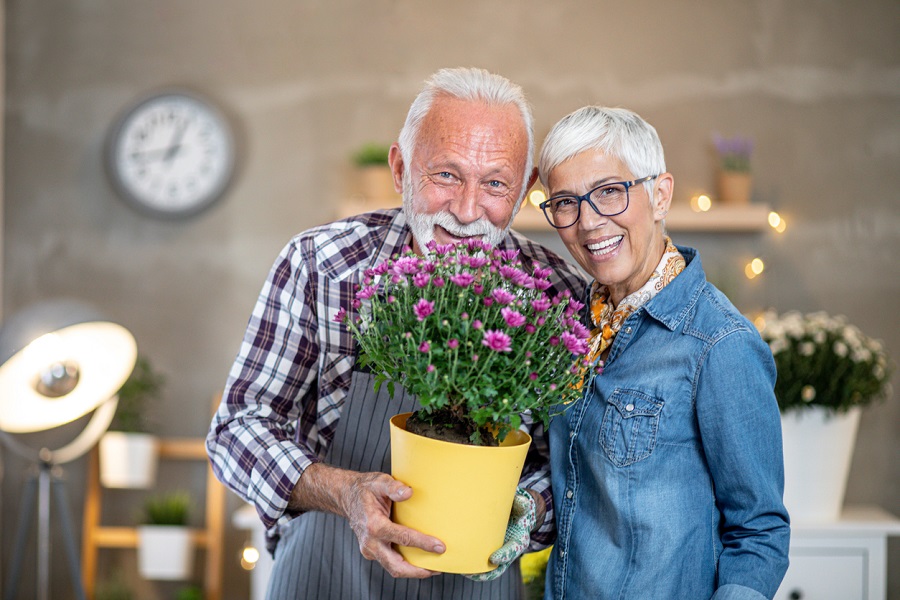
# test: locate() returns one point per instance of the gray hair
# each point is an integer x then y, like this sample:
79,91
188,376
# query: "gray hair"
473,84
617,132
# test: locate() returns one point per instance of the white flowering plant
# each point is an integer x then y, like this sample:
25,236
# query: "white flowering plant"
824,361
473,335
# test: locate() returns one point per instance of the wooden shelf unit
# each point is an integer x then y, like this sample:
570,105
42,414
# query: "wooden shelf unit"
752,218
210,538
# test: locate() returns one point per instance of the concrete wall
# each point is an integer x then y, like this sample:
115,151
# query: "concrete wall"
816,83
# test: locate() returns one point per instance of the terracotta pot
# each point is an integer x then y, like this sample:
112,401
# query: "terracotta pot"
377,187
165,552
735,188
462,495
818,447
128,460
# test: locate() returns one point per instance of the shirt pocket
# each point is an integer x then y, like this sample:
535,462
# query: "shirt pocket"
630,424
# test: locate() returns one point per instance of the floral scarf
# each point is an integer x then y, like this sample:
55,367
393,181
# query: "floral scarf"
607,320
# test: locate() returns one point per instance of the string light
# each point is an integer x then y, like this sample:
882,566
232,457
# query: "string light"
249,557
536,197
776,222
754,268
701,203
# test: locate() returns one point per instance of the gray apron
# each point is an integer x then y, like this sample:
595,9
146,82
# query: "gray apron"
318,555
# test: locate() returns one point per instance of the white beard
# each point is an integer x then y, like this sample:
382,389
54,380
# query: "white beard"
422,225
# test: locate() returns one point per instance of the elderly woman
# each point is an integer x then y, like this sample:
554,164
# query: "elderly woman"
668,474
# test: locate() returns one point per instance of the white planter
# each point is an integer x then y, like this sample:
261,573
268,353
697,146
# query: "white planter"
818,446
128,460
165,552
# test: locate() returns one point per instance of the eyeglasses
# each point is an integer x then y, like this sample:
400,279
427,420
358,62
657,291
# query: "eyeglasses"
607,200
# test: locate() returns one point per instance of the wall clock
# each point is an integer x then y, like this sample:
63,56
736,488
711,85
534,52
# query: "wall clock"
171,155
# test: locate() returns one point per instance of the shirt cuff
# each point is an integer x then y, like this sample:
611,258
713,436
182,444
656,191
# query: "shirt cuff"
733,591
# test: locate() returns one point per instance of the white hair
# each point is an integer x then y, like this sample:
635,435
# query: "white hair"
466,83
617,132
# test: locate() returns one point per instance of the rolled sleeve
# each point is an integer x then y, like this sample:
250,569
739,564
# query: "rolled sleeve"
741,430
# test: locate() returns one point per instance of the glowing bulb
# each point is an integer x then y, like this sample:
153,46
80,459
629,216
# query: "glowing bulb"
754,268
701,203
536,197
249,557
760,322
774,219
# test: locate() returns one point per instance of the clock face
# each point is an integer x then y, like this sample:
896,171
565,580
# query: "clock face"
172,155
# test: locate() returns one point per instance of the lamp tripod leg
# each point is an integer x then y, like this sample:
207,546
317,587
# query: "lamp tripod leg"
68,538
25,513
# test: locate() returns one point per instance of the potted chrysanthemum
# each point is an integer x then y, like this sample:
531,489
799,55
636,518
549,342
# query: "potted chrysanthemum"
480,343
827,371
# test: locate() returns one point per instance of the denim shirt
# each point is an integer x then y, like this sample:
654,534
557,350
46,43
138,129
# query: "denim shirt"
668,474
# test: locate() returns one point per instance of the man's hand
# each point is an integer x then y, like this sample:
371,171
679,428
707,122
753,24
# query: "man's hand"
365,500
522,520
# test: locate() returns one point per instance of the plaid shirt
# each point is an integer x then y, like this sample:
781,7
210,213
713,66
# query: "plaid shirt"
284,394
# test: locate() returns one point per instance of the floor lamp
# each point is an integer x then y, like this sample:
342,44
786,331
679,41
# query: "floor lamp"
59,361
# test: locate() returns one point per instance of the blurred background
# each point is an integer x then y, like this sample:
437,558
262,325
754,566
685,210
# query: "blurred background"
815,84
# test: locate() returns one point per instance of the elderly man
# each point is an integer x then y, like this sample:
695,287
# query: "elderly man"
300,433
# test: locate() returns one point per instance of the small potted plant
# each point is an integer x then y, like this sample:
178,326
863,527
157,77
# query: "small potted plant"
827,371
165,542
734,180
128,452
375,177
480,343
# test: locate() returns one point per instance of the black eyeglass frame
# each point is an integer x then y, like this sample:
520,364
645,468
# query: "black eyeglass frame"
545,205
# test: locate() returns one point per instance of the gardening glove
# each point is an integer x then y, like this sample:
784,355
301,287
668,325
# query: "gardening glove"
518,536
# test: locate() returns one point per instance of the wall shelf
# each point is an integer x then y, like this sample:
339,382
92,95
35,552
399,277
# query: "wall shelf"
752,218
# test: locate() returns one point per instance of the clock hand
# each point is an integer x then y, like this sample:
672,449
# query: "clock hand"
175,144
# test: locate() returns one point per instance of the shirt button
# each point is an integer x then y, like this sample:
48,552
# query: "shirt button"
562,553
629,407
569,494
571,434
628,330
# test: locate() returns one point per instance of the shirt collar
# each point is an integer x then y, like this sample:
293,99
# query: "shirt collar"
675,301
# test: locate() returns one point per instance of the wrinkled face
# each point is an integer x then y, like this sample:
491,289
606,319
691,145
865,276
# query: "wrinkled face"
620,251
466,174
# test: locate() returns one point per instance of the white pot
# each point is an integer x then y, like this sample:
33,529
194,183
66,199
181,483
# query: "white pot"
818,446
165,552
128,460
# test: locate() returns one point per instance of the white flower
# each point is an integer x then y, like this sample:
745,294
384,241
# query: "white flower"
840,348
807,348
777,346
808,393
878,371
819,337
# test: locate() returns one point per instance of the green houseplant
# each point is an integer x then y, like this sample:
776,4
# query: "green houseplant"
459,329
479,342
128,452
827,371
166,548
376,182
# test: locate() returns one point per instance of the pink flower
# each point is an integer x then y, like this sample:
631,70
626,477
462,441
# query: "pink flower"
580,330
540,273
474,358
575,305
463,279
541,284
381,269
421,279
533,376
438,282
502,296
513,318
356,303
509,254
366,293
554,341
530,328
478,289
341,315
452,343
542,304
497,341
488,301
574,344
430,368
476,262
406,265
423,308
476,324
424,347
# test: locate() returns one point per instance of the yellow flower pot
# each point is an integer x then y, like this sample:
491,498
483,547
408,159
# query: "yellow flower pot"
735,188
462,495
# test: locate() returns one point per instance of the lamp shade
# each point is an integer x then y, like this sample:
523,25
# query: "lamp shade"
59,360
